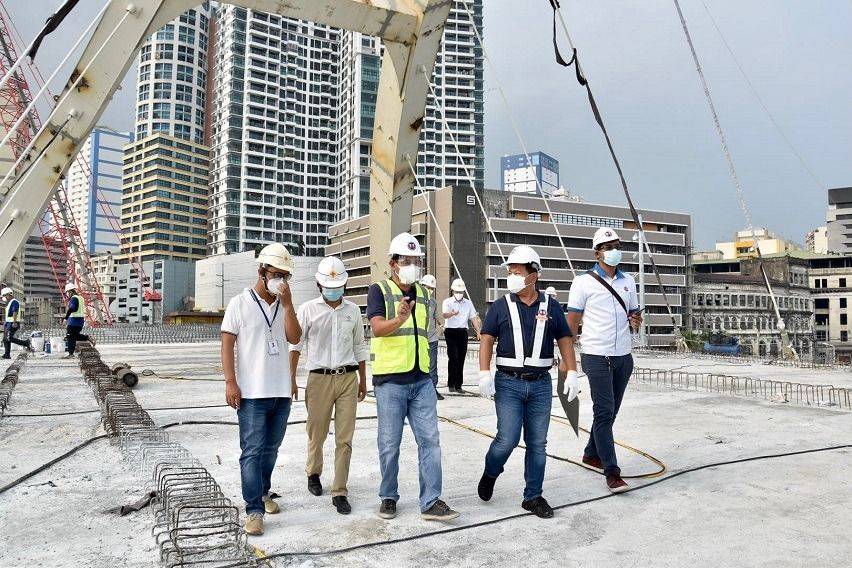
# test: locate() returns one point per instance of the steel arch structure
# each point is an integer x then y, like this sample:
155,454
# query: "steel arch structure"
411,31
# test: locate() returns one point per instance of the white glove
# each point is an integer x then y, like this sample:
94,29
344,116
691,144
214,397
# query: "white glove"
486,384
571,386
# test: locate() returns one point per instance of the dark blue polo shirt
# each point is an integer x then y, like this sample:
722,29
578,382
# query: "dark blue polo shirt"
376,307
499,325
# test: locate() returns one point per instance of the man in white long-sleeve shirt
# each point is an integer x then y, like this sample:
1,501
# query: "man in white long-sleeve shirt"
334,337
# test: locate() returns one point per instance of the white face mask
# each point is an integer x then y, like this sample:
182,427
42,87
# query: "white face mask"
409,274
275,285
612,257
459,296
515,283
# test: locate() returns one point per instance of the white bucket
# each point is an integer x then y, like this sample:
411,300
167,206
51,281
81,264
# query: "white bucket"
37,341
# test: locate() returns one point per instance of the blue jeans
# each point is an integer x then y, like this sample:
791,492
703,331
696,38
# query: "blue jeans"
418,403
608,377
262,425
433,362
521,403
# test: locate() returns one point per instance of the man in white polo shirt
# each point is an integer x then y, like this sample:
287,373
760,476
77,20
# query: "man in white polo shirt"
333,334
458,311
604,298
259,323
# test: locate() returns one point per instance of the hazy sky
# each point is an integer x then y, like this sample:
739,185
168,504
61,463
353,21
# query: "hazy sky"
797,54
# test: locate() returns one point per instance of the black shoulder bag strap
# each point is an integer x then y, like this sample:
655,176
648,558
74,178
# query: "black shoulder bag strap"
612,291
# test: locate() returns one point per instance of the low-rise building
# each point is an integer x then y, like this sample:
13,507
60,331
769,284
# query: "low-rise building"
524,219
174,280
731,296
743,245
831,288
817,240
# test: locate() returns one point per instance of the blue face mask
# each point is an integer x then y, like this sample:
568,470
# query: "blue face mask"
612,257
332,294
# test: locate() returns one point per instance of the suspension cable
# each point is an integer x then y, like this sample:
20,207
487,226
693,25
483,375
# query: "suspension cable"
734,177
130,10
517,130
439,107
20,59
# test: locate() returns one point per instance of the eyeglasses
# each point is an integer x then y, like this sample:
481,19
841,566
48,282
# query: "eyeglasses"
409,261
283,275
610,246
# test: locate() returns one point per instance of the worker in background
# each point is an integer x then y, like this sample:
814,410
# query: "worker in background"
430,284
525,323
605,299
75,317
398,315
12,323
333,335
258,324
458,312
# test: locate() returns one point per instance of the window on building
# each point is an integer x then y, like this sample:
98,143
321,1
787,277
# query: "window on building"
842,302
162,71
843,283
167,33
163,91
844,336
162,111
184,73
843,319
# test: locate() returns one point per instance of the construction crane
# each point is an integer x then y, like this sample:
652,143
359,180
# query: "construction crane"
60,233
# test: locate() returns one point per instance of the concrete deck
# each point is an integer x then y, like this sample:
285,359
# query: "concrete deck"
791,511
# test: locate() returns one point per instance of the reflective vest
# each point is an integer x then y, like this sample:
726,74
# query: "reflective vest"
395,353
10,317
535,360
80,312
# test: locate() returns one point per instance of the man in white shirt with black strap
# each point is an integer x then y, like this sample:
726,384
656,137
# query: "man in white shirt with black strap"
458,312
605,300
337,375
259,323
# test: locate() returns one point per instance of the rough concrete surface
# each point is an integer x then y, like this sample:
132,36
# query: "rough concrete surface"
791,511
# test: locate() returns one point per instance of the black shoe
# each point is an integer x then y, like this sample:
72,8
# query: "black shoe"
6,357
439,395
486,487
439,511
388,509
314,485
342,504
538,507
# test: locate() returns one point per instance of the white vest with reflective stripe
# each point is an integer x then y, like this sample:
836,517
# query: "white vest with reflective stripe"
536,360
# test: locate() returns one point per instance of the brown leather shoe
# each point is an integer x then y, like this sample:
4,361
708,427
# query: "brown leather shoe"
616,484
593,462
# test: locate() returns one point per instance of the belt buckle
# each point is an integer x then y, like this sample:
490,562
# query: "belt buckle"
338,371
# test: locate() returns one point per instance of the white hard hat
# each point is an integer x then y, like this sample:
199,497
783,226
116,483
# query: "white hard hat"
276,255
331,273
429,281
70,286
404,244
524,255
550,291
604,235
458,285
5,291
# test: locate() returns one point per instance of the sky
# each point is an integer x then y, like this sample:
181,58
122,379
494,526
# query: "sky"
634,54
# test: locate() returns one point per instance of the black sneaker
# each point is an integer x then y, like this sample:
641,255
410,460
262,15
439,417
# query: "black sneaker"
538,507
439,511
388,509
439,395
314,485
341,504
486,487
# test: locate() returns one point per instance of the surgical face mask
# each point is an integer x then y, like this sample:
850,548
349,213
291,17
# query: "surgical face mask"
516,282
612,257
332,294
459,296
409,274
275,285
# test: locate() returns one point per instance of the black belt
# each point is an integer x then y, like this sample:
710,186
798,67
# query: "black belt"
337,370
528,375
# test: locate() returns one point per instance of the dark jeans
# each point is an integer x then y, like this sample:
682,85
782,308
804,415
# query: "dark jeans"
521,403
608,377
73,335
9,332
433,362
262,425
456,353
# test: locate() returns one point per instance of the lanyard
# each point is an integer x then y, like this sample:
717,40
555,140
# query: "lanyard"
268,323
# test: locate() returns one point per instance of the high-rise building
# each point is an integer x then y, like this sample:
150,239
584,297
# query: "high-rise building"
171,80
166,196
93,186
539,174
293,123
817,240
839,220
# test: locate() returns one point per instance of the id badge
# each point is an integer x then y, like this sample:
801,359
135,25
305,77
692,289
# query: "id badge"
272,347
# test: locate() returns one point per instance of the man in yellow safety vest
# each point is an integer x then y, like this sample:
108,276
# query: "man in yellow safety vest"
75,316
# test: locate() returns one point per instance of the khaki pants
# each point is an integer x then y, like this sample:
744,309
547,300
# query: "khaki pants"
324,393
